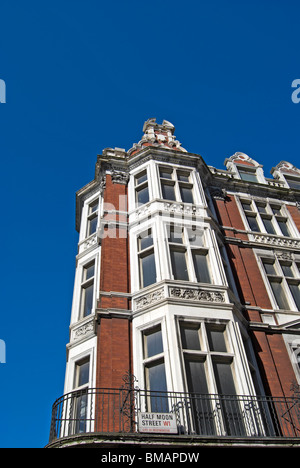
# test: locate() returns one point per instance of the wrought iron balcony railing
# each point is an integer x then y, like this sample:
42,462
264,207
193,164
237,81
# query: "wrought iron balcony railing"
107,410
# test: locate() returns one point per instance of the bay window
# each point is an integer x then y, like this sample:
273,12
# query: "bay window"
208,367
189,257
176,185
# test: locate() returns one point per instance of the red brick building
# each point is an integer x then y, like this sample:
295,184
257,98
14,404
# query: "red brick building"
186,302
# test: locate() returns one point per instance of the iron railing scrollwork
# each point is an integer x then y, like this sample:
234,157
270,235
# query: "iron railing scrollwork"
109,410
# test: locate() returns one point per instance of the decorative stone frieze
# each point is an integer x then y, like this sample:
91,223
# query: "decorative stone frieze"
149,299
278,241
197,294
83,330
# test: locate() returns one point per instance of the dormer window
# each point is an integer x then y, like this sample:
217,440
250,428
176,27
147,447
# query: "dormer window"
248,175
294,182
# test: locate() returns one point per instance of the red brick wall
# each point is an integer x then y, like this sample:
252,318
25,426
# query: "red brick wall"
275,366
114,352
295,213
247,274
271,352
114,335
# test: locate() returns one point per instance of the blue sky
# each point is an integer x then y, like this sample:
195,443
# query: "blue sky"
82,76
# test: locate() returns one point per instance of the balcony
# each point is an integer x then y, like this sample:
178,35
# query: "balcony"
111,412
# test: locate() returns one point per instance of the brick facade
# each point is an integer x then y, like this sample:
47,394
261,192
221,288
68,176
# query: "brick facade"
114,335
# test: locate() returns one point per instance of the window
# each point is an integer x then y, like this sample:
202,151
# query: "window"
176,185
92,219
146,258
294,182
266,217
87,289
141,188
189,257
283,278
295,350
154,366
249,175
208,369
80,403
281,219
82,373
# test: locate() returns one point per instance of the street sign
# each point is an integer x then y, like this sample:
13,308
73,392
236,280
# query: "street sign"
159,423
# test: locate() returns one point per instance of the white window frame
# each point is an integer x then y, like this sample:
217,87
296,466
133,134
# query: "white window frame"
206,354
175,182
86,283
141,362
281,278
292,178
188,247
143,253
269,214
134,235
84,261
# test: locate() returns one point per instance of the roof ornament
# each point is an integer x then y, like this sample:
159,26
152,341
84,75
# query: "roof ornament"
157,135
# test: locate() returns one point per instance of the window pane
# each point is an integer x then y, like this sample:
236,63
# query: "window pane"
293,183
88,293
279,294
261,208
156,382
246,206
248,176
270,268
269,226
196,237
140,178
153,343
183,176
83,371
81,412
276,210
196,378
93,207
287,270
296,294
145,240
253,224
148,273
284,228
89,272
201,267
224,378
92,225
190,338
176,235
168,192
142,196
165,173
216,339
179,265
186,195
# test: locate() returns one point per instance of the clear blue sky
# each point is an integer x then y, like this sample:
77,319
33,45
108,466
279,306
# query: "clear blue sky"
82,76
